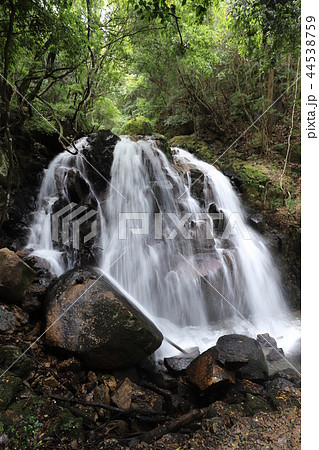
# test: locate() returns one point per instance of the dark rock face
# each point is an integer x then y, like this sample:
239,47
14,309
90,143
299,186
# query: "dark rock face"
33,153
237,348
15,278
102,327
257,221
99,154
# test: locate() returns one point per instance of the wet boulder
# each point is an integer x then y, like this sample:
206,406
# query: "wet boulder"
89,317
178,364
206,372
99,158
257,222
16,277
270,348
234,349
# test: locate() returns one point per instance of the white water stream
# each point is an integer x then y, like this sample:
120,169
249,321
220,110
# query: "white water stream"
162,265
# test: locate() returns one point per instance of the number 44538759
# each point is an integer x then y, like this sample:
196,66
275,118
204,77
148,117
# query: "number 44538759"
310,45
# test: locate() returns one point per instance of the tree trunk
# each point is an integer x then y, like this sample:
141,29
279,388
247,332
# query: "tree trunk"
6,94
270,99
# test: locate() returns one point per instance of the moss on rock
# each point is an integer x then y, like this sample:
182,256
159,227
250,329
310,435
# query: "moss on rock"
258,189
163,143
9,354
256,404
138,126
193,144
66,424
9,387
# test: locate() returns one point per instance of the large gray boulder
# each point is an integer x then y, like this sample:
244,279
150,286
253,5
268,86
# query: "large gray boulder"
86,315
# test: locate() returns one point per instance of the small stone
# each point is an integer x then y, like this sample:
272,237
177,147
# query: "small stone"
275,354
4,440
177,364
110,382
256,404
130,395
8,321
265,340
101,394
257,222
52,382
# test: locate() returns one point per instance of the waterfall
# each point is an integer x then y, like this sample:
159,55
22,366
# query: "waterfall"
197,274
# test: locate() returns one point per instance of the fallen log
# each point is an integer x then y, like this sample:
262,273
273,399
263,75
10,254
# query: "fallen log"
174,425
140,414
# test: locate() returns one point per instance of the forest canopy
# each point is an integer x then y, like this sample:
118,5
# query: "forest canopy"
187,65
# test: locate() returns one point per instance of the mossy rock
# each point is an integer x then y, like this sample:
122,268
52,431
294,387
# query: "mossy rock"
258,190
9,387
24,410
9,354
163,144
65,424
284,399
193,144
138,126
256,404
251,174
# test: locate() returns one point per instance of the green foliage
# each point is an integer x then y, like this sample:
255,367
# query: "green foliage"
267,28
165,9
26,435
191,66
66,424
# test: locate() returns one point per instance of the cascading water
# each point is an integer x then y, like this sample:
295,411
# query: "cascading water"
172,255
52,196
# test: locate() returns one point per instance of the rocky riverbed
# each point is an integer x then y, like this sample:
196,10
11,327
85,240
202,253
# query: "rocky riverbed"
52,397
